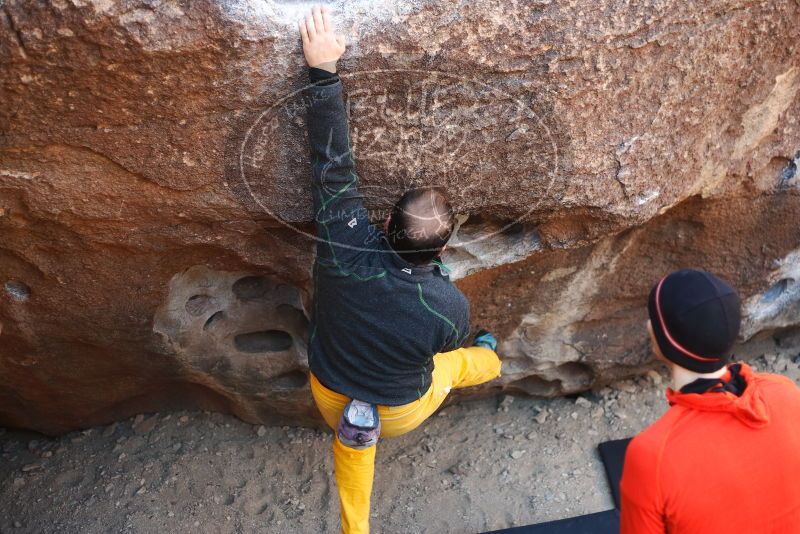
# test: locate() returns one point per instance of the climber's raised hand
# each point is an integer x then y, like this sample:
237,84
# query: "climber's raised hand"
321,46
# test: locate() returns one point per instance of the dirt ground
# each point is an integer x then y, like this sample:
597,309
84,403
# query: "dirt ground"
475,466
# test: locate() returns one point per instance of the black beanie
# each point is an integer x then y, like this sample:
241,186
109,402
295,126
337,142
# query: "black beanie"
695,318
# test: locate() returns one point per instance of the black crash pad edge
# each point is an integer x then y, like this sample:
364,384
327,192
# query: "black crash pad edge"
598,523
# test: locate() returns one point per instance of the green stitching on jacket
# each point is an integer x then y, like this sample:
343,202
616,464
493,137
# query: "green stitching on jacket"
441,265
434,312
336,264
324,204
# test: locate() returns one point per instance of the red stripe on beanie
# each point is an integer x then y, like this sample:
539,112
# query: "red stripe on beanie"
666,332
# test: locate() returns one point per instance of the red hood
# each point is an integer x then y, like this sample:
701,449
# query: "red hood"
749,408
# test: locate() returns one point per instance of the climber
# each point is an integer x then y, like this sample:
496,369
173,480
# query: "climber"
387,325
724,457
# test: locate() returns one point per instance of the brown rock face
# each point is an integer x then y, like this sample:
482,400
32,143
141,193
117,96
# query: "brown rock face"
155,245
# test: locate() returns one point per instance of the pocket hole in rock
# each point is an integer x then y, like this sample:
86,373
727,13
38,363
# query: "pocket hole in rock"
574,376
290,380
264,341
250,287
777,289
199,304
215,318
17,290
790,170
536,386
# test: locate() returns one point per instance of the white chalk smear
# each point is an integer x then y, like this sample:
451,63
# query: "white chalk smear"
648,197
288,13
18,174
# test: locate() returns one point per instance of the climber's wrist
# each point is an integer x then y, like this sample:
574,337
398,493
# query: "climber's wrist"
321,76
329,66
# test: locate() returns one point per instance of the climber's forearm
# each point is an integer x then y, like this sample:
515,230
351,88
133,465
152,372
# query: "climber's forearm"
329,136
328,132
339,213
338,206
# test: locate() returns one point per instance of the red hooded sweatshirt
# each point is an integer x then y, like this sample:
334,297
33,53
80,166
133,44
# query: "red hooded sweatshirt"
718,463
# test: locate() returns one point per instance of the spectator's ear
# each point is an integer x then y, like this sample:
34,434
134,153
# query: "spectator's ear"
386,224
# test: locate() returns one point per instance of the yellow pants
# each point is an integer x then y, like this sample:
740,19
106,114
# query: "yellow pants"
354,468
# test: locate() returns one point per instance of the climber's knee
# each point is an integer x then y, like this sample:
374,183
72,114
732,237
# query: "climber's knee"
360,425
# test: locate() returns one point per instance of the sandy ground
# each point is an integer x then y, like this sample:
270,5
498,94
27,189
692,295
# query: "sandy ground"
475,466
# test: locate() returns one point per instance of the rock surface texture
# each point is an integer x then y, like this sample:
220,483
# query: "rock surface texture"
155,245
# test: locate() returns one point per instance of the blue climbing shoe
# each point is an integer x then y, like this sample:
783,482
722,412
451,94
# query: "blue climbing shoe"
485,339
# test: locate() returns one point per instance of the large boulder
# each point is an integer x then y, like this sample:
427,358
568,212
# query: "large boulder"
155,236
